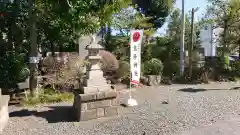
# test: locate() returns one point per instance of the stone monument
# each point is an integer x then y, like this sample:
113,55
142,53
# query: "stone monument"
4,116
95,98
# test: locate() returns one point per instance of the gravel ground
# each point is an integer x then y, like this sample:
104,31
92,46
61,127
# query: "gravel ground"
164,110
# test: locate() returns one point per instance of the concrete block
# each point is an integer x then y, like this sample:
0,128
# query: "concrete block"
100,112
88,97
96,88
90,90
100,95
87,115
111,111
115,102
99,104
84,107
110,94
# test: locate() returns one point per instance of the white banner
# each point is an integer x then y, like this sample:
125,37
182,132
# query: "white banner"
135,57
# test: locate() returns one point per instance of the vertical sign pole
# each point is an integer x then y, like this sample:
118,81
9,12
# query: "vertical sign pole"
135,62
130,85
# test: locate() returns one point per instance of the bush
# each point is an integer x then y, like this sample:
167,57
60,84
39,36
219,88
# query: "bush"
235,67
47,96
109,61
123,71
171,69
153,67
64,74
13,70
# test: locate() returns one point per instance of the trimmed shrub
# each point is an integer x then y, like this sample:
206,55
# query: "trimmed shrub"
123,72
153,67
64,74
235,66
109,61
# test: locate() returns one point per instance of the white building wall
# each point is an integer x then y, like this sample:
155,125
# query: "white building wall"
209,37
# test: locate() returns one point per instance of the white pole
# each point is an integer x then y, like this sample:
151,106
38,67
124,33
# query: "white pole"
130,86
131,101
182,39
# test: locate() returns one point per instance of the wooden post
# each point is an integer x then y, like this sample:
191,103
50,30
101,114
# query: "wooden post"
33,51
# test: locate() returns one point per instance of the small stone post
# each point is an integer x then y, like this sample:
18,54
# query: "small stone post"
4,116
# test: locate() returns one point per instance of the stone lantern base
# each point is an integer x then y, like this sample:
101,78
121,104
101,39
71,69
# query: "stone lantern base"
95,105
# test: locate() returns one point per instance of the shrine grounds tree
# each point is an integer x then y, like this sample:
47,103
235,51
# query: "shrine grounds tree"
57,25
225,14
157,10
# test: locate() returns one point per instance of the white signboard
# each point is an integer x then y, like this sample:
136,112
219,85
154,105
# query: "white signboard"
135,58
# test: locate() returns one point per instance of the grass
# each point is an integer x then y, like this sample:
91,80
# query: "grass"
47,96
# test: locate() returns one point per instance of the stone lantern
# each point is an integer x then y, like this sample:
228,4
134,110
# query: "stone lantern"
96,98
94,80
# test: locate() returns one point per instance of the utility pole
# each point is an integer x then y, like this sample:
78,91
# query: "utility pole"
182,53
190,47
33,60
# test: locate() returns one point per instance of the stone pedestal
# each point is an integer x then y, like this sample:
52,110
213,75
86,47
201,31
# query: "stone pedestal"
95,105
4,115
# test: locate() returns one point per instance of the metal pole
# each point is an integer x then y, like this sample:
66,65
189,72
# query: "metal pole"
211,28
182,40
190,47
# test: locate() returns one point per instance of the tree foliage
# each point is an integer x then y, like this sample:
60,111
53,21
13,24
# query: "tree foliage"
58,26
224,14
157,10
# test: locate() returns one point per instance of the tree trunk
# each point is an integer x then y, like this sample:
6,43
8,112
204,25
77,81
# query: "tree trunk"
239,52
52,50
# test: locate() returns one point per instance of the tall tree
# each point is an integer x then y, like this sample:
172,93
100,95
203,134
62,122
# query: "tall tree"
174,26
57,25
224,14
234,29
157,10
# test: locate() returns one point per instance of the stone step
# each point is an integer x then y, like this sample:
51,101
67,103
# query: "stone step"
93,89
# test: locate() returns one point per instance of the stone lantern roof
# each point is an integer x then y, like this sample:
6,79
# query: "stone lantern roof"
94,45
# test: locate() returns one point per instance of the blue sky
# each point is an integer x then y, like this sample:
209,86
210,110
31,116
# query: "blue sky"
189,4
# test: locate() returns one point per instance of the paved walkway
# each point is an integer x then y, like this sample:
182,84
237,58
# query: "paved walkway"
212,109
225,127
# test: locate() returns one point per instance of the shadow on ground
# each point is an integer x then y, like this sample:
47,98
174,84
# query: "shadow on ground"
53,115
235,88
194,90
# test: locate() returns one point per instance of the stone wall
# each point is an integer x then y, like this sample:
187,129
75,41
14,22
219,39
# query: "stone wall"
4,115
96,105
